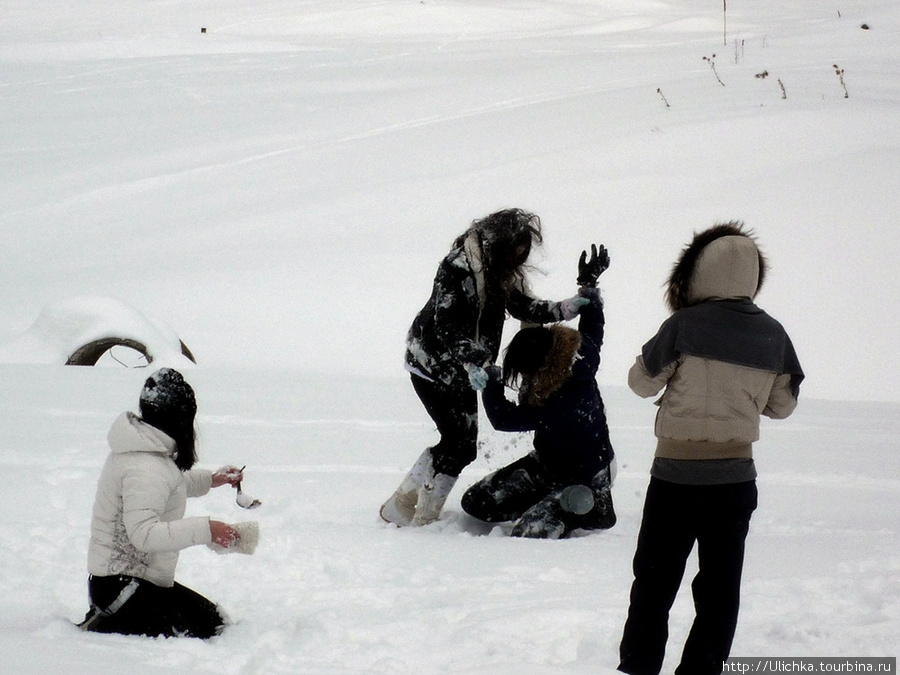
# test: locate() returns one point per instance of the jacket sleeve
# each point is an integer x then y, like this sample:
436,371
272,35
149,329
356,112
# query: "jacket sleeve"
503,413
591,320
146,489
782,401
198,482
523,307
643,384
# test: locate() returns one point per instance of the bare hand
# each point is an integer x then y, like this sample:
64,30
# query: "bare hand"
227,475
223,534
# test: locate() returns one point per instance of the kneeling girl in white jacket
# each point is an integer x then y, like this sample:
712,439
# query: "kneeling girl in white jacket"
138,525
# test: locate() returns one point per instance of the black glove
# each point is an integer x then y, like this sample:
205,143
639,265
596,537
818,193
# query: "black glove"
590,270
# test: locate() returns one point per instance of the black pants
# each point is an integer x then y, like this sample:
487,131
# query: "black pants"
152,610
522,492
455,412
717,518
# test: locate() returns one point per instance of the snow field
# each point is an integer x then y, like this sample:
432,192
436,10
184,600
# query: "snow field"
331,589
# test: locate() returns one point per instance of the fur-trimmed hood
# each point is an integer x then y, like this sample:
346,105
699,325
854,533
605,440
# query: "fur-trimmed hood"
557,366
722,262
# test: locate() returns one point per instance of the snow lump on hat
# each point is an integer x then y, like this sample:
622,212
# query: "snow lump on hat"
166,391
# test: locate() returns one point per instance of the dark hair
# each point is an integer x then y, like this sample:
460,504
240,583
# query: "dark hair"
167,402
506,238
526,353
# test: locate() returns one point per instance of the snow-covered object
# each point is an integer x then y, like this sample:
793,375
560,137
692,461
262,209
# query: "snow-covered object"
244,500
79,330
246,543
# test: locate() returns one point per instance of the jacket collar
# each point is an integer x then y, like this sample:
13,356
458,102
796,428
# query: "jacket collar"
129,433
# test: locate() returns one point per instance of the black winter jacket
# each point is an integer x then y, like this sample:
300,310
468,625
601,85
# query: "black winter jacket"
571,436
456,327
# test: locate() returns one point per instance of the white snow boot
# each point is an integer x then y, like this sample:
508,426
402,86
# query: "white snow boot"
400,509
432,497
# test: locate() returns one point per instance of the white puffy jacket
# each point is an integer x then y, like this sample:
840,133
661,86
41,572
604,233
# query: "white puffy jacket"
138,525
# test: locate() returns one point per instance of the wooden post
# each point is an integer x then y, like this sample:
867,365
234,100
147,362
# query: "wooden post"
725,22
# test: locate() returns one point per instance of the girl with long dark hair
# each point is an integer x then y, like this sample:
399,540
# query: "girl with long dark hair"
455,335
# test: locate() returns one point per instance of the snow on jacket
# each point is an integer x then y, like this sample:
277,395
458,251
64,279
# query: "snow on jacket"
722,360
562,402
138,525
458,325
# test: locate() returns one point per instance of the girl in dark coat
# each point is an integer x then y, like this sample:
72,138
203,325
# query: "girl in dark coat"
564,483
455,335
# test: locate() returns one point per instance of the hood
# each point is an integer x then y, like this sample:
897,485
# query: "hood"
131,434
723,262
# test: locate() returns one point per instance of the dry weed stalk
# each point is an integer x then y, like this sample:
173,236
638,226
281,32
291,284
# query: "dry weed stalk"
712,64
840,73
663,96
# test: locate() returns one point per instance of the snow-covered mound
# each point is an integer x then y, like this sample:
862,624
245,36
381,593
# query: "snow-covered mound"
79,331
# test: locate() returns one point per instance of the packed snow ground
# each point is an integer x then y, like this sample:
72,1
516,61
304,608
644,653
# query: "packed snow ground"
331,589
279,190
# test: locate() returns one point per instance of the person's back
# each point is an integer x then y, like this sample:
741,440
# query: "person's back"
720,362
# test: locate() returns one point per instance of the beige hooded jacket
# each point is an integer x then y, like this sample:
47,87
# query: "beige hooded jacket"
138,525
710,408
